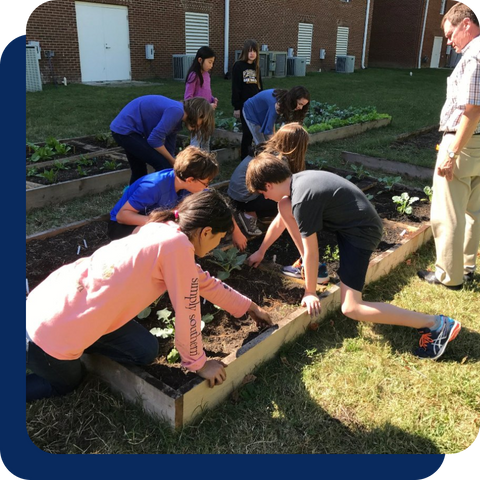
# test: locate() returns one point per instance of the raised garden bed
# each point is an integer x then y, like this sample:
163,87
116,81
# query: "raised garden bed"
170,392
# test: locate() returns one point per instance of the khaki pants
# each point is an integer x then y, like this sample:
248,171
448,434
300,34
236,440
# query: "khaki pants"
455,213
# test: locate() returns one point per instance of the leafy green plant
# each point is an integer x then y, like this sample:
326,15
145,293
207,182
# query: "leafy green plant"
404,202
110,165
32,172
168,330
230,123
81,171
60,165
389,182
49,175
428,191
84,161
228,260
331,254
360,172
41,153
105,138
369,196
57,147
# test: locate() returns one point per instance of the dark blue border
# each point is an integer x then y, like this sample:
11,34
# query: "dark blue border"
24,459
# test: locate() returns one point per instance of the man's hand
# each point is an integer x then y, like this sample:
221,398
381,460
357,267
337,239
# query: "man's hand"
260,316
312,302
445,169
255,259
214,372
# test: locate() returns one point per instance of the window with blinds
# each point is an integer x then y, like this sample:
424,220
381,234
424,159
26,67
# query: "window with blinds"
342,41
304,47
196,31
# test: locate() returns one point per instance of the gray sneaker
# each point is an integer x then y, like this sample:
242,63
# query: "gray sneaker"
248,224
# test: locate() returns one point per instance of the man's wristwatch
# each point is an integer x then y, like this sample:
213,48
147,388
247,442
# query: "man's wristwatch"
452,155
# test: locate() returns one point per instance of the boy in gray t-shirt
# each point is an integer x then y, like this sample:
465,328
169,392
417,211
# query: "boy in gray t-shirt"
312,201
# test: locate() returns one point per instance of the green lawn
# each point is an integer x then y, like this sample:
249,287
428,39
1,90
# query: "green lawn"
344,388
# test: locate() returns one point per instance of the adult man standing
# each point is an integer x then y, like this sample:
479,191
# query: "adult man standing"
455,212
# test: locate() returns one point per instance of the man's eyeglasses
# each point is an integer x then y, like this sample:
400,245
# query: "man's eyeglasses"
203,183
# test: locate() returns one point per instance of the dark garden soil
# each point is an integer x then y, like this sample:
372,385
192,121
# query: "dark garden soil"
78,169
279,296
422,140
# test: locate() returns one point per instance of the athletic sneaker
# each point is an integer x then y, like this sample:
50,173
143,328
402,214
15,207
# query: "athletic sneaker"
297,271
433,343
248,224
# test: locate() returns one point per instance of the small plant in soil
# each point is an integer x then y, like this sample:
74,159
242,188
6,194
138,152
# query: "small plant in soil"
105,138
110,165
428,191
331,254
360,172
32,172
231,124
81,171
60,165
41,153
57,147
84,161
49,175
404,202
389,182
228,260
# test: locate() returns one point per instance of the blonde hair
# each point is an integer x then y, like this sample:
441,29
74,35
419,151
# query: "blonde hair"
291,143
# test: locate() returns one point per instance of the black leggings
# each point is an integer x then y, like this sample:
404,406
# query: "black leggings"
140,153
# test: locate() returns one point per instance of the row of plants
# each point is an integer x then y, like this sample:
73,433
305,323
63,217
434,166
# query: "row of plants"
321,117
325,116
53,148
82,167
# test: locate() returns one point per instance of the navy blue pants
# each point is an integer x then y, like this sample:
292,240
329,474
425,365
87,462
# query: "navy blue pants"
131,343
140,154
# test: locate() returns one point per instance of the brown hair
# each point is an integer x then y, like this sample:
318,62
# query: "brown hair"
291,143
457,13
265,168
251,45
197,163
199,210
287,103
199,108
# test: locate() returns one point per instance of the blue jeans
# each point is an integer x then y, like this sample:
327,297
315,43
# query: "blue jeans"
140,153
131,343
256,131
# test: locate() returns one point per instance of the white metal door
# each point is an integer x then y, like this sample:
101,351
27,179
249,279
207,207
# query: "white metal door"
436,52
103,42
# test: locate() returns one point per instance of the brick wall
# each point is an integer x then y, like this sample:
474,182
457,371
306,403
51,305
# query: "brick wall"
396,33
162,23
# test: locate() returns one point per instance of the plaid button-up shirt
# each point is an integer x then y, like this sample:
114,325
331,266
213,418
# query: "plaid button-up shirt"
463,87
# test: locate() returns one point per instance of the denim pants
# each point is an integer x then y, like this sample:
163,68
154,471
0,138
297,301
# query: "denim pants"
140,154
196,142
255,130
131,343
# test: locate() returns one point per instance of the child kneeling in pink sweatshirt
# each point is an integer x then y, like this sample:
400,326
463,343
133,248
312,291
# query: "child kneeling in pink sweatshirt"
88,306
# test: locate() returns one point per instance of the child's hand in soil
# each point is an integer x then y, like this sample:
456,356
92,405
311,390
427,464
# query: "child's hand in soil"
214,372
260,316
255,259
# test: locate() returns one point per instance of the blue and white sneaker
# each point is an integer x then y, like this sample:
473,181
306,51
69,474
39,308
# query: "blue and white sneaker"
296,271
433,343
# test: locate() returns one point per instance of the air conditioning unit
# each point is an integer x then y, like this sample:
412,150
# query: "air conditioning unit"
181,65
345,64
278,64
264,59
296,67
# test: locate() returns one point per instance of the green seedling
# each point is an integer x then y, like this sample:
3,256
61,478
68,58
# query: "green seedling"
32,172
428,191
228,260
60,165
84,161
49,175
42,153
110,165
81,171
360,172
331,254
404,202
57,147
389,182
105,138
369,196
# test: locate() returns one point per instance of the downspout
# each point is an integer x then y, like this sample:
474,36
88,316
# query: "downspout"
423,35
227,32
365,33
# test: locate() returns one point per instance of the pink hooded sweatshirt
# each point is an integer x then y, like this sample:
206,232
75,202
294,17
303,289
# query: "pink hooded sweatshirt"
80,302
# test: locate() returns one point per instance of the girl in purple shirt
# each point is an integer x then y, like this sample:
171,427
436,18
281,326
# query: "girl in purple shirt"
197,84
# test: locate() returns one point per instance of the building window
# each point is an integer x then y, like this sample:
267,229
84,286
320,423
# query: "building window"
305,35
196,31
442,7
